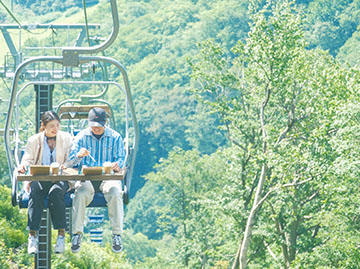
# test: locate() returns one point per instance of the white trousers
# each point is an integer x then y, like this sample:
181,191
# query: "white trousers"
84,194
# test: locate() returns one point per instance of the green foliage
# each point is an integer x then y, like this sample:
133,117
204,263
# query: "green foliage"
13,221
91,256
197,205
12,232
159,73
4,170
276,100
186,179
142,214
339,223
10,257
165,258
349,52
138,246
331,23
43,7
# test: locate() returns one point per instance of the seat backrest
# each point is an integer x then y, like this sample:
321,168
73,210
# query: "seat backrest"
80,111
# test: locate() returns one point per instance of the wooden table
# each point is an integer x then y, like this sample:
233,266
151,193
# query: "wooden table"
73,174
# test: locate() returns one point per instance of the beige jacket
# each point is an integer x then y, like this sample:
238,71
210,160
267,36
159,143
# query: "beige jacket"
34,150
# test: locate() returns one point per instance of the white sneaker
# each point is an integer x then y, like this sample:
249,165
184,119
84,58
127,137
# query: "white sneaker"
32,244
116,245
60,244
76,243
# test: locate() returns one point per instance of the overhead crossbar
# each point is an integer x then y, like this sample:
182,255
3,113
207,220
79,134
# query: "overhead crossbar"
48,26
10,43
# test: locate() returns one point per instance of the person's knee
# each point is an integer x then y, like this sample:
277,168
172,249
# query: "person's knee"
115,192
84,191
57,190
56,195
36,198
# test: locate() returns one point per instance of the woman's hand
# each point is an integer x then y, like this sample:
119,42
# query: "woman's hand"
22,169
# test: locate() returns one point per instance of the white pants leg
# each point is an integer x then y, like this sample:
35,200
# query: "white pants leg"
113,193
84,194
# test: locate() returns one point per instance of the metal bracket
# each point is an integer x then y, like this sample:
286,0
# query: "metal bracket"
70,57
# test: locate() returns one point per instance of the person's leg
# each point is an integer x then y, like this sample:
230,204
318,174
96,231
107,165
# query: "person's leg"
84,193
57,211
38,193
57,204
113,195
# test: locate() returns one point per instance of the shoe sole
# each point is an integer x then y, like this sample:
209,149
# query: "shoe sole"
75,251
116,251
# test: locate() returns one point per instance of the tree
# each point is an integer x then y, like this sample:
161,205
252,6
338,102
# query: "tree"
340,222
186,178
276,100
331,23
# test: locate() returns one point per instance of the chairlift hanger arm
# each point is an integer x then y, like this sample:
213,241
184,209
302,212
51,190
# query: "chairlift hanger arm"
71,54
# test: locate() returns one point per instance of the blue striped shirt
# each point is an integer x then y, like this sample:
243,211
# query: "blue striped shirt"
109,148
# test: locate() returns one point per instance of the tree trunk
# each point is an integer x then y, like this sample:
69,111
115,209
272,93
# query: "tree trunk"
251,219
242,258
236,261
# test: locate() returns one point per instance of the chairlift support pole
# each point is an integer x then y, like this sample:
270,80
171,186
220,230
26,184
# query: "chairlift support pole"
43,257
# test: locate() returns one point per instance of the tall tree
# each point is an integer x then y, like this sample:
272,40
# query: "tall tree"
276,100
186,178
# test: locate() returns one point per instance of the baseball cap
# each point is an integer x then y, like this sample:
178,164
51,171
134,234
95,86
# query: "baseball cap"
97,117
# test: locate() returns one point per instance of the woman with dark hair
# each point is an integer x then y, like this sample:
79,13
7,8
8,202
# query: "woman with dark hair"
48,146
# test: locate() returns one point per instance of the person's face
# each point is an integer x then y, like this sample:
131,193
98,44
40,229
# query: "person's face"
97,130
52,128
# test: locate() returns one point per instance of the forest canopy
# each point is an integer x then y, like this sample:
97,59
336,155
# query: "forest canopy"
249,123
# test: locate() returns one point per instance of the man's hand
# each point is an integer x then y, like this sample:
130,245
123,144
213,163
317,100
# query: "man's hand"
115,167
83,152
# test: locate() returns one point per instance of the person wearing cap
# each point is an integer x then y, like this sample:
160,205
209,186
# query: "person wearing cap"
94,146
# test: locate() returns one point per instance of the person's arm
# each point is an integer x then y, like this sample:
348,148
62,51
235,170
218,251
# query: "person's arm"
28,157
27,160
119,154
68,144
73,158
68,141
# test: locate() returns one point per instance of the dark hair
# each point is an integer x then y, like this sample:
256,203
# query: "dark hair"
46,117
